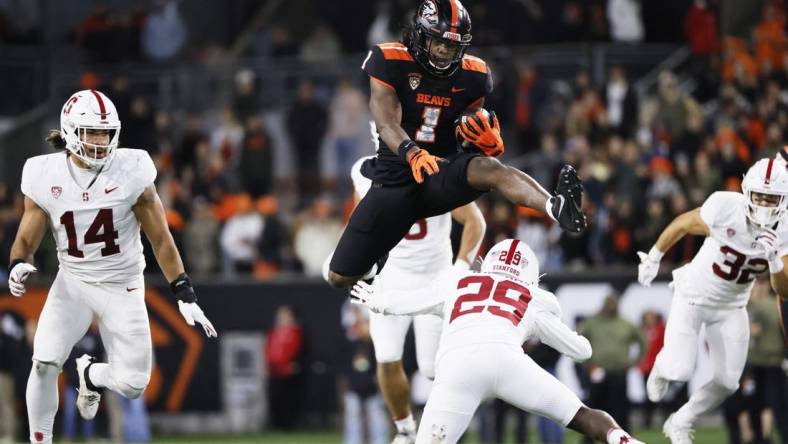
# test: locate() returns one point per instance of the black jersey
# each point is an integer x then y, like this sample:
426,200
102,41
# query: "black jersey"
430,105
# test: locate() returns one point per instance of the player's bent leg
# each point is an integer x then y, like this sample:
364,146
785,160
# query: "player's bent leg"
395,388
488,173
728,340
676,360
427,329
450,407
599,425
464,376
42,400
336,280
63,321
381,219
525,385
442,427
388,338
125,332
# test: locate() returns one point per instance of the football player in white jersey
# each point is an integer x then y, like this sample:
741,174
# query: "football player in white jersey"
95,197
487,316
422,255
746,235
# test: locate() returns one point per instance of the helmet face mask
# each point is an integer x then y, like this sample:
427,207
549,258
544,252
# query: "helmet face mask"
765,189
95,145
90,126
440,35
764,209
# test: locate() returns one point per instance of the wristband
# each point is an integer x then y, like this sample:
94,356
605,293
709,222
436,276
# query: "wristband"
654,255
182,289
403,149
14,263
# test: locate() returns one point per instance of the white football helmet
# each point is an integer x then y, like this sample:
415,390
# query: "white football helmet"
765,177
85,110
514,259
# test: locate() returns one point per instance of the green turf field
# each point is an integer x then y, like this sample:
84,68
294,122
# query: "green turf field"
702,436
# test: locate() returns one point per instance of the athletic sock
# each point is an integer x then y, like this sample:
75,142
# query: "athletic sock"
614,436
406,425
98,374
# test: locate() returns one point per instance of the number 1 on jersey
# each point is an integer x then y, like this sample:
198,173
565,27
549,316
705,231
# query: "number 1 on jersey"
103,222
426,132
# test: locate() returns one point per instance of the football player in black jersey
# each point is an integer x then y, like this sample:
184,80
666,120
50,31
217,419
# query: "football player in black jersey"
419,88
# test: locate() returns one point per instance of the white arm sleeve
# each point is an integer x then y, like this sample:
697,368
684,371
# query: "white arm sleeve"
549,328
557,335
441,288
426,307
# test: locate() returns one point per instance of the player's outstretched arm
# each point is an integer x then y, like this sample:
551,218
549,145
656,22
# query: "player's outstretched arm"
363,293
473,227
31,230
150,213
690,222
387,112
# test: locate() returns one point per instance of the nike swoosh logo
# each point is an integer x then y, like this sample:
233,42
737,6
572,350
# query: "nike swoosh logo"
130,289
109,190
456,90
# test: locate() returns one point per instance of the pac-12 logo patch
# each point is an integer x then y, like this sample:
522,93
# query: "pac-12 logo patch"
414,80
56,191
730,232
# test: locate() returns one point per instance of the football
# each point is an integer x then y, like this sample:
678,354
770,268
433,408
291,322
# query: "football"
471,114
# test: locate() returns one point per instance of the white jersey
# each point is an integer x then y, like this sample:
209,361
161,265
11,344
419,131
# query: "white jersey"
482,308
723,271
96,232
427,246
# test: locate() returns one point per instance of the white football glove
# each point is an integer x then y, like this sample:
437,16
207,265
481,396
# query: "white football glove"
770,241
648,269
364,294
192,312
18,276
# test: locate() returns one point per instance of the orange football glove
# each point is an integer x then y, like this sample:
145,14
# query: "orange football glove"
419,160
476,129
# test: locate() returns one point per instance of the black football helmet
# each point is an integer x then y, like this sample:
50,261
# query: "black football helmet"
440,34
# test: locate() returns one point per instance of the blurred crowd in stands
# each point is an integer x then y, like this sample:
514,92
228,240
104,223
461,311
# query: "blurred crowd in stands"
251,188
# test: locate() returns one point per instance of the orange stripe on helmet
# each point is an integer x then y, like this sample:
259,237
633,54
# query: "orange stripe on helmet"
454,16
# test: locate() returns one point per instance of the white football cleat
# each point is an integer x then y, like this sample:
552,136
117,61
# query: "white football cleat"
656,386
87,400
404,438
677,433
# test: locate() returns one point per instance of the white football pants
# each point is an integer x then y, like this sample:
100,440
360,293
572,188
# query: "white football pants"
70,308
467,375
